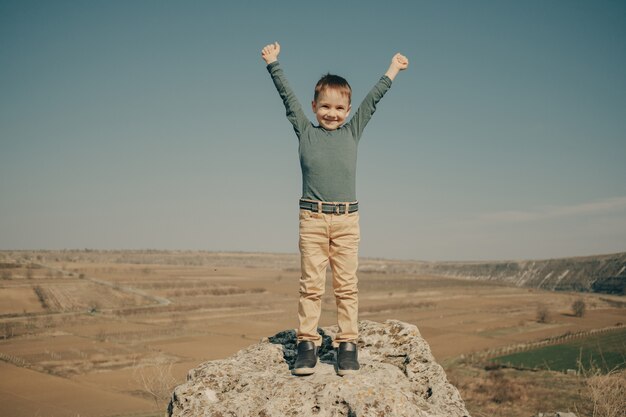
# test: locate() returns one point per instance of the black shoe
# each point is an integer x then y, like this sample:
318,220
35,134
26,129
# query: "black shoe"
306,359
347,359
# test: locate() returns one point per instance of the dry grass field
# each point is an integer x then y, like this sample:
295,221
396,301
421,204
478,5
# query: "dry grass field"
85,333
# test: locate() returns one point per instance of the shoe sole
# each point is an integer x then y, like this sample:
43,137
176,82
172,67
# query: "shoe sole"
342,372
303,371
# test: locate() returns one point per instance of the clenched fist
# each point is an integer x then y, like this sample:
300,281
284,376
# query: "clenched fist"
270,52
400,62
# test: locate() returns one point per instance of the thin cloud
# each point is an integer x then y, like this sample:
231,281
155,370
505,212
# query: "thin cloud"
590,208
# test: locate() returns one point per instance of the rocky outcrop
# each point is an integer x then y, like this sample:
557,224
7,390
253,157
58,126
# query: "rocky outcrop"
398,377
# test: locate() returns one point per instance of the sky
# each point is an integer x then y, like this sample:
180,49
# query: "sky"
155,125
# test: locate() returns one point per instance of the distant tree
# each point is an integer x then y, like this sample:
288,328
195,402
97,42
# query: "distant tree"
543,314
579,307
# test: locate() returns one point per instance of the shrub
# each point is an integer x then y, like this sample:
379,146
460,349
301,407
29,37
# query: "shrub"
101,335
503,390
607,393
42,296
93,307
579,307
543,314
604,394
156,381
9,330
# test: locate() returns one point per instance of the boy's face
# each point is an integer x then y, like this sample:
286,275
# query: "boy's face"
331,108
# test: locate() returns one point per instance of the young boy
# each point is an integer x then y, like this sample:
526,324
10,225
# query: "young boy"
329,217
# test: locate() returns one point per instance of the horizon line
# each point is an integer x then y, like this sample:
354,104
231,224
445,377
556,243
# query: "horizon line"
153,250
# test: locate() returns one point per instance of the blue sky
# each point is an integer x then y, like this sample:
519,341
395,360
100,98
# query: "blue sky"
154,124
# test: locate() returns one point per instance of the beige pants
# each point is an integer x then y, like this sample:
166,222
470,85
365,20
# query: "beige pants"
324,238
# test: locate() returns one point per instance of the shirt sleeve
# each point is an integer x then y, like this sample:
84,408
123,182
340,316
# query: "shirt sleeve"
295,114
368,106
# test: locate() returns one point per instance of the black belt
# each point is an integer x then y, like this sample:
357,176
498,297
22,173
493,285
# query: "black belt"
329,208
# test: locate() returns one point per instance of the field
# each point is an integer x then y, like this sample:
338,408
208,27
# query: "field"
603,351
110,333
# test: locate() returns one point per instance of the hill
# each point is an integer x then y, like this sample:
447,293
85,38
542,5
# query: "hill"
601,273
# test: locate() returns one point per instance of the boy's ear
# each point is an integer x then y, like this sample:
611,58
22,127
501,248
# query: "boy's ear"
314,106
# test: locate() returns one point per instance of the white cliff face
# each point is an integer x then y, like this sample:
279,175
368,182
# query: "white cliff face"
398,377
600,273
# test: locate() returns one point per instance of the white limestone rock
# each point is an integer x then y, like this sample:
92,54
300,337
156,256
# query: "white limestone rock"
398,377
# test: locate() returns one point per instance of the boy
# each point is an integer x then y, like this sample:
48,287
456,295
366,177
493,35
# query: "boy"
329,217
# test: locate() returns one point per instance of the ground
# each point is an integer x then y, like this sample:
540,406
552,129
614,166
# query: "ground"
120,329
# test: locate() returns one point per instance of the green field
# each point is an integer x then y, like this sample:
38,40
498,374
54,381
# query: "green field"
605,351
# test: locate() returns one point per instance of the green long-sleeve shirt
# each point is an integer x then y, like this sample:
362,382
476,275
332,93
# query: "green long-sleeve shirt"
327,157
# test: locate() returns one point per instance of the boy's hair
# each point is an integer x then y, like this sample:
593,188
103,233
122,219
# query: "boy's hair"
333,81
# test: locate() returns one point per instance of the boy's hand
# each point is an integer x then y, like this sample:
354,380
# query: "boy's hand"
270,52
398,63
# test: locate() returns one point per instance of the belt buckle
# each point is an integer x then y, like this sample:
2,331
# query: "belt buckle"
336,209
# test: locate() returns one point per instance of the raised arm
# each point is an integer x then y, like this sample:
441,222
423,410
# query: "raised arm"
368,106
295,114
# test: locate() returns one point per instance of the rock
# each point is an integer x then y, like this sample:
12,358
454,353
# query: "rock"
398,377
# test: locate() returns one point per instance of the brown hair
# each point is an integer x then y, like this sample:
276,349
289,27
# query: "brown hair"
333,81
